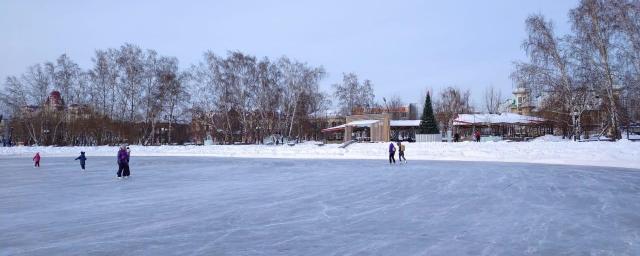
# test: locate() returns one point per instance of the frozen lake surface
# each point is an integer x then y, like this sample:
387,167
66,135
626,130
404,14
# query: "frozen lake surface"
239,206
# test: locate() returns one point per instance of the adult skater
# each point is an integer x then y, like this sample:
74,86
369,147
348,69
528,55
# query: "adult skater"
36,159
401,152
477,136
82,159
392,153
123,162
126,169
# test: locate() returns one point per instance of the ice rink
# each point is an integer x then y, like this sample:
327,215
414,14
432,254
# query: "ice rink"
239,206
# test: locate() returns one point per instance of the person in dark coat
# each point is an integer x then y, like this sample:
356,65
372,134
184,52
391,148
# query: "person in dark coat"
123,162
392,153
82,159
127,171
36,159
456,137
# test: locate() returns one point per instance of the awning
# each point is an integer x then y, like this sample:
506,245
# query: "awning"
334,129
404,123
362,123
504,118
358,123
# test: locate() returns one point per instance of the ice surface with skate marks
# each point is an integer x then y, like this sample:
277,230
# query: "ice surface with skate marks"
243,206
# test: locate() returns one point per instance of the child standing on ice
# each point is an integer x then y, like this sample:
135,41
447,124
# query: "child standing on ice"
392,153
82,159
36,159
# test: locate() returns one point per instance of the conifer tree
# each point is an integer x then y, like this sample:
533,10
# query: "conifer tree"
428,124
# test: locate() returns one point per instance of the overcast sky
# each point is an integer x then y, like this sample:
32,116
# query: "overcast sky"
402,46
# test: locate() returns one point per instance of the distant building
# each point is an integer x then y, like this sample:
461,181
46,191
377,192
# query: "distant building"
55,101
332,119
522,103
509,126
78,111
592,118
376,125
408,112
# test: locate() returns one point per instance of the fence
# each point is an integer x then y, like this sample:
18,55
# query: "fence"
428,137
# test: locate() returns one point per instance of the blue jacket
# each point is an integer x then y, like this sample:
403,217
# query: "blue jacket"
82,158
392,148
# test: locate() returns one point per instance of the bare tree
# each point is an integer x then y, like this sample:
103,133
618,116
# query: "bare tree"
268,96
131,68
66,77
594,26
299,80
627,14
173,88
492,100
104,77
549,72
451,102
395,102
352,94
14,96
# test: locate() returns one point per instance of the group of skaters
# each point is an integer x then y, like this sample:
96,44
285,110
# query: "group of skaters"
476,137
400,148
392,153
124,155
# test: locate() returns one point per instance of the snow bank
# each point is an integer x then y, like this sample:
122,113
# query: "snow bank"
550,138
615,154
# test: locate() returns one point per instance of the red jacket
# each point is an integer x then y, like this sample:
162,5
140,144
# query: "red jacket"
37,157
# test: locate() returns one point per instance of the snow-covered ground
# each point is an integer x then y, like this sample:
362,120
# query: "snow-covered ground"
242,206
616,154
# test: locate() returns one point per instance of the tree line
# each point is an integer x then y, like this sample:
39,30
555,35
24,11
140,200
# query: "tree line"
136,95
123,97
132,95
594,67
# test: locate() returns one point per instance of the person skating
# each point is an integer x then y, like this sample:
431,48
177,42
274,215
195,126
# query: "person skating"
82,159
477,136
122,161
126,168
36,159
401,152
392,153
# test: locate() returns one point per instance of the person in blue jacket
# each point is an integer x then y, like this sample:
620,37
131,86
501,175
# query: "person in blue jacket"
392,153
82,159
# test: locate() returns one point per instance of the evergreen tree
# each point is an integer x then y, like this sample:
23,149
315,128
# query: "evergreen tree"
428,124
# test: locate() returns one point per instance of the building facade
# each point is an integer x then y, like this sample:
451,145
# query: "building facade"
376,125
